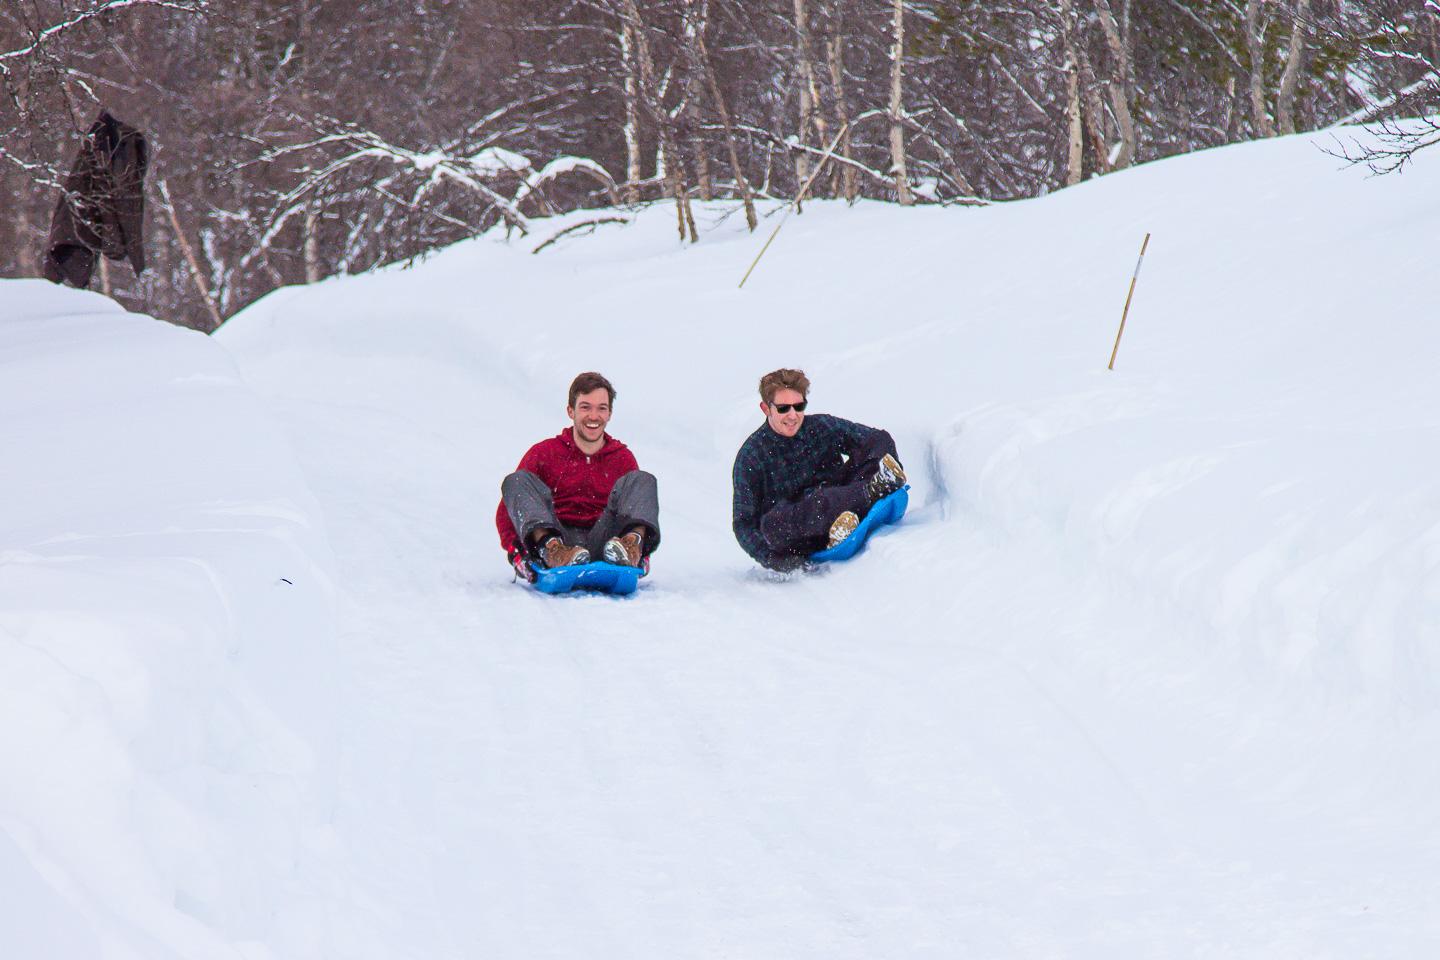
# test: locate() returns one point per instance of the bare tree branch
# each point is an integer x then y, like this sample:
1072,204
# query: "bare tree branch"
104,8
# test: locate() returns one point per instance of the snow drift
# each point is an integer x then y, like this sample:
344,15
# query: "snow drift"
166,636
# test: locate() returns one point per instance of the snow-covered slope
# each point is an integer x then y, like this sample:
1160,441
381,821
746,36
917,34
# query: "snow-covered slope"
166,643
1149,670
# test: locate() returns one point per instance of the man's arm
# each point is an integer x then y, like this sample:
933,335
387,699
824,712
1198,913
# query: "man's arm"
853,436
744,510
745,517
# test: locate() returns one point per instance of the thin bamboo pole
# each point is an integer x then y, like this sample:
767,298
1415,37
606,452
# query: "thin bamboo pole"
796,202
195,272
1121,332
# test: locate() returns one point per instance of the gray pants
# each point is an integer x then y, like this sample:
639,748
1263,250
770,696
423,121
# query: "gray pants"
634,502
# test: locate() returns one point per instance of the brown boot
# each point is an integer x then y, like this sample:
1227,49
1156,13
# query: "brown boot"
843,526
626,551
889,476
555,553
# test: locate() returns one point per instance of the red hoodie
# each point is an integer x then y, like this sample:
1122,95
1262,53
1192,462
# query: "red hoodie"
581,484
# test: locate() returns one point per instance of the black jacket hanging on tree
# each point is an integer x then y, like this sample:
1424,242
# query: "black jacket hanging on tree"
103,207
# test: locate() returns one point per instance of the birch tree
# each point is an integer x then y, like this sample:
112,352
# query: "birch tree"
705,67
1074,118
1121,83
811,116
1255,26
652,96
897,109
1289,80
835,60
632,110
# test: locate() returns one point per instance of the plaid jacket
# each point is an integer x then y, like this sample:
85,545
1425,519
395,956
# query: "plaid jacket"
771,469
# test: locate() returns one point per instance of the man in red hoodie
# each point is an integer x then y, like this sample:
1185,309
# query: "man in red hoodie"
580,494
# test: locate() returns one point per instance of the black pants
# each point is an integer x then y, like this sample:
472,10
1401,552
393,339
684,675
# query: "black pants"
634,502
802,526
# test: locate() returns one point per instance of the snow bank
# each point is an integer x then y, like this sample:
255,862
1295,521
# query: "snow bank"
166,645
1262,458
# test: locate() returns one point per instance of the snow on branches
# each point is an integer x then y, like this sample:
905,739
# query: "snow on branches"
41,37
389,186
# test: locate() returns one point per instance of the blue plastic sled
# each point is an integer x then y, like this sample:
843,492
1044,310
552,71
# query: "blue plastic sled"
603,577
885,511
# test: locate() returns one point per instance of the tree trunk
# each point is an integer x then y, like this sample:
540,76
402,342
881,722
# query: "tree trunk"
1120,85
1075,121
27,259
1255,44
736,170
897,127
196,274
690,106
632,112
810,116
667,152
313,273
835,53
667,167
702,169
1094,112
1285,102
687,213
1231,113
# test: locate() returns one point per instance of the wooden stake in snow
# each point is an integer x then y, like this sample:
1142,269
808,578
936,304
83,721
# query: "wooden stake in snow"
1128,296
796,202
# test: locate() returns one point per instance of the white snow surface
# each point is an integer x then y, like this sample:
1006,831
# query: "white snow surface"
1149,669
168,722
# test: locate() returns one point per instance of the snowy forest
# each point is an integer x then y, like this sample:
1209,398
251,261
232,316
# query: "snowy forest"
293,140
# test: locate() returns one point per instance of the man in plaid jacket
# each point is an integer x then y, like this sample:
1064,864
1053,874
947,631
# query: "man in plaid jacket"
802,483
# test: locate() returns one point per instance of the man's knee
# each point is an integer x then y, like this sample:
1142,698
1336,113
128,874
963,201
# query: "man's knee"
635,490
881,444
521,480
636,481
778,525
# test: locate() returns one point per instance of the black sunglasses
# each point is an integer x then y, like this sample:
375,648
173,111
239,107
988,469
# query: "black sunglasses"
787,407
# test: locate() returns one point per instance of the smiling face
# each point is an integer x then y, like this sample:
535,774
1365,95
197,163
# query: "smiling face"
786,423
590,414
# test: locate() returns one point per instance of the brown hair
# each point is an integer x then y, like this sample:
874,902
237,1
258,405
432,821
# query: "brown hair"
783,379
589,383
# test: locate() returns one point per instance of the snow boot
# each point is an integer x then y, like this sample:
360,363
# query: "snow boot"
625,551
843,526
555,553
889,476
